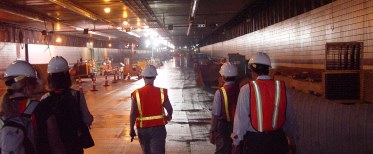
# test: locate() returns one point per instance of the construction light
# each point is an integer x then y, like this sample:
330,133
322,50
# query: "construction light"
125,23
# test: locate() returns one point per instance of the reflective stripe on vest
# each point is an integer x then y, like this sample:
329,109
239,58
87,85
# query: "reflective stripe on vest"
141,118
259,105
225,97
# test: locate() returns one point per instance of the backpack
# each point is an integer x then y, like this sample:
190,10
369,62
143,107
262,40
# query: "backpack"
66,109
14,132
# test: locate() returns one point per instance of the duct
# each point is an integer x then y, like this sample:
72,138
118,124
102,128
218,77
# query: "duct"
192,15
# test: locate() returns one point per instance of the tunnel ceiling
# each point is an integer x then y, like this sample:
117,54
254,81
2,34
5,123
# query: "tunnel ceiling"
171,18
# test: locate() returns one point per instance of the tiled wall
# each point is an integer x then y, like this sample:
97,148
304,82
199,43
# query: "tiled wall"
41,54
300,41
8,53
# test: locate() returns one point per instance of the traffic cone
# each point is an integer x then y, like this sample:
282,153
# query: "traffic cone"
80,84
94,82
106,81
115,77
128,76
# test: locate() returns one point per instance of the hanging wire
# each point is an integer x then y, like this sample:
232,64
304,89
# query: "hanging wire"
332,12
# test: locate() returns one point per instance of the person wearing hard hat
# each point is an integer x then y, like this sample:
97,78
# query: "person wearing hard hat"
148,114
17,109
67,107
264,112
223,109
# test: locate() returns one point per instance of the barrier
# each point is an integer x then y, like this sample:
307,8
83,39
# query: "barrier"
324,126
94,82
80,84
106,80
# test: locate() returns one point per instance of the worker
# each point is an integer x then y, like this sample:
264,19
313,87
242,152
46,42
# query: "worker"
66,107
148,114
264,112
223,109
18,120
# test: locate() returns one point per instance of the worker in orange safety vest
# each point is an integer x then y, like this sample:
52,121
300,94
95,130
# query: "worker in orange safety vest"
264,112
148,114
223,109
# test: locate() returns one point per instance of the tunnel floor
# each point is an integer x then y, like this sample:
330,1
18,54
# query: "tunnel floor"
186,133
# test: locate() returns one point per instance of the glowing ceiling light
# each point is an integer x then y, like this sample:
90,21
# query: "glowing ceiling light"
125,14
58,40
58,26
107,10
109,45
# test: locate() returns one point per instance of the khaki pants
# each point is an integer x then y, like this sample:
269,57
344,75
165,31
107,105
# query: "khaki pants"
152,139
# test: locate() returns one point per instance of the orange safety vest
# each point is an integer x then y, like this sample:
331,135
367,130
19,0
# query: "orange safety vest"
229,95
149,100
267,105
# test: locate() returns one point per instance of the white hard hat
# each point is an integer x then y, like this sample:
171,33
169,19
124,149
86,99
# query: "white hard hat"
228,69
20,68
149,71
57,64
260,58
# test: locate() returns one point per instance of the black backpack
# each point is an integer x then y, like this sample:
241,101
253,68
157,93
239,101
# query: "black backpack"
18,123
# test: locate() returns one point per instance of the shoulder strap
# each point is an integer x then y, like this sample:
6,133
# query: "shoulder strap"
12,123
30,108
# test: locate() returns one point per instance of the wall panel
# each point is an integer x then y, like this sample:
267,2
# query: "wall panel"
301,40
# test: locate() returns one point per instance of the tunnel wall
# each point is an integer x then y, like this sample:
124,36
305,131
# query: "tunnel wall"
328,127
300,41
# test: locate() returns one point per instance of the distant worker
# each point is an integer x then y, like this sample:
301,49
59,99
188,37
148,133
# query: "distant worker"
17,109
66,107
223,110
264,112
148,114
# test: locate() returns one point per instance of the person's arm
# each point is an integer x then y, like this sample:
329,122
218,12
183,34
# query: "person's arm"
167,105
133,117
86,115
215,113
241,117
290,126
55,142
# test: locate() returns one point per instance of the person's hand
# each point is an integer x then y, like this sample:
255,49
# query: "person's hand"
234,137
212,137
132,134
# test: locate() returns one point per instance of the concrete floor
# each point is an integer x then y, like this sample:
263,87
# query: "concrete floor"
186,133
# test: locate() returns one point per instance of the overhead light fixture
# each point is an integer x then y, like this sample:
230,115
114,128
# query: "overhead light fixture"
192,15
125,14
58,40
109,44
107,10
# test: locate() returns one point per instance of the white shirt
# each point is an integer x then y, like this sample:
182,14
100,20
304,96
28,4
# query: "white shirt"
242,122
216,105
